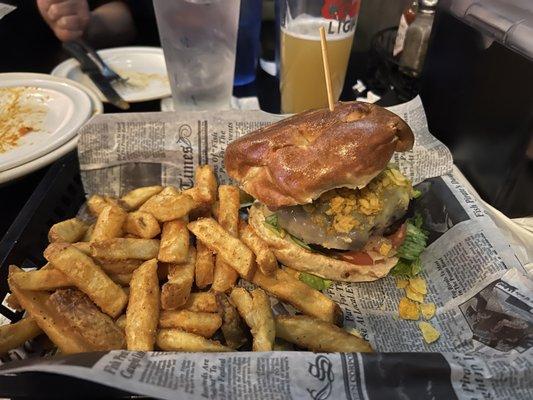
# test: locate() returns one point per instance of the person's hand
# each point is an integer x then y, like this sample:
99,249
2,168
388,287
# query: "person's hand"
67,18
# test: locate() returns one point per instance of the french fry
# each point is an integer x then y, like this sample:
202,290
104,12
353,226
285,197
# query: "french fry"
137,197
201,302
13,303
174,245
121,322
318,336
15,335
97,203
142,224
177,340
84,247
88,277
228,209
119,266
230,249
121,279
224,276
206,182
214,209
97,328
142,315
204,265
265,258
176,291
109,224
168,206
232,325
70,231
306,299
255,309
88,234
42,279
170,191
205,186
123,249
199,323
55,327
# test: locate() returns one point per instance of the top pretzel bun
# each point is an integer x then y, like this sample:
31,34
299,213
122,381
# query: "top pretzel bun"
297,159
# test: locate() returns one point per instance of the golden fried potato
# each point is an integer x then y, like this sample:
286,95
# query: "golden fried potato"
97,328
318,336
177,340
88,277
142,315
69,231
199,323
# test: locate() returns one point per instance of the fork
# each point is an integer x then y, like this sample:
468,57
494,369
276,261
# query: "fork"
106,70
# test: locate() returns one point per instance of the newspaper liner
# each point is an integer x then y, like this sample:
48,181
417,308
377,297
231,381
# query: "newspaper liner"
482,291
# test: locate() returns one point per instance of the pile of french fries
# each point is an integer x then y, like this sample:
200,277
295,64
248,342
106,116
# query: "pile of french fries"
158,269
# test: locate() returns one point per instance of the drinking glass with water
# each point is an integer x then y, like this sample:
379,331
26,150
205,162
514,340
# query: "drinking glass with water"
199,39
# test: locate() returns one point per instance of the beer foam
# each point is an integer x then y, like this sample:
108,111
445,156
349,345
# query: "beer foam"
307,28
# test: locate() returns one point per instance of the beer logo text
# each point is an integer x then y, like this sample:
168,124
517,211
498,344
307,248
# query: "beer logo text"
340,9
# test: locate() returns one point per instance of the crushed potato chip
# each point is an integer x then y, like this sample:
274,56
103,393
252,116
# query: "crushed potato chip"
408,309
428,310
401,283
418,284
429,333
411,294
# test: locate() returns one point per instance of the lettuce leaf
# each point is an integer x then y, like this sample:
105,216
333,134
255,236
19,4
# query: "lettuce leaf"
314,281
415,242
271,222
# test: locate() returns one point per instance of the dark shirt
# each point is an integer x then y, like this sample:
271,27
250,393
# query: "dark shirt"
27,44
144,18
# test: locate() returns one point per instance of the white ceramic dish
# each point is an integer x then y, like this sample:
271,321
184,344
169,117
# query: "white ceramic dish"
62,108
144,66
34,165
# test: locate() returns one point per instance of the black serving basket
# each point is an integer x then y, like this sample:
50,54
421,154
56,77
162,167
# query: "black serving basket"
59,196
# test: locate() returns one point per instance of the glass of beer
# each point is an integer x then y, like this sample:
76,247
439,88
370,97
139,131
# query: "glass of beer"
302,82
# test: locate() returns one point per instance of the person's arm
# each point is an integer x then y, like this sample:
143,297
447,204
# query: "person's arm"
107,25
111,24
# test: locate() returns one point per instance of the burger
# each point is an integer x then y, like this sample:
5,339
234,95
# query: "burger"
327,200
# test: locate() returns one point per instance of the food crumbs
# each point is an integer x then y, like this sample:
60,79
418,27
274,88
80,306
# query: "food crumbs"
401,283
411,294
408,309
385,249
428,310
418,284
429,333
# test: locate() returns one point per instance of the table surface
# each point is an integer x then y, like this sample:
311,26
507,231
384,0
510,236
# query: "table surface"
22,53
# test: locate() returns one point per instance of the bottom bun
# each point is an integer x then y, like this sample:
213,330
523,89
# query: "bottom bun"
294,256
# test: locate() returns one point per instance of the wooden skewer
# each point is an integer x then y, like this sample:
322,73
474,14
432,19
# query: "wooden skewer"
327,74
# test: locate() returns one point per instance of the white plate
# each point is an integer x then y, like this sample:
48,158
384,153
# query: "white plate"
66,108
17,172
144,66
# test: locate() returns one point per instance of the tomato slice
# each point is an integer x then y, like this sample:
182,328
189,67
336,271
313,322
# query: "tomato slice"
356,257
398,237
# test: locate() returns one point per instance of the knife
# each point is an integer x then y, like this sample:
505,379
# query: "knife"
90,68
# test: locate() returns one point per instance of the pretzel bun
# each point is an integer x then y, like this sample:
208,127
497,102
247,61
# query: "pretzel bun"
297,159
